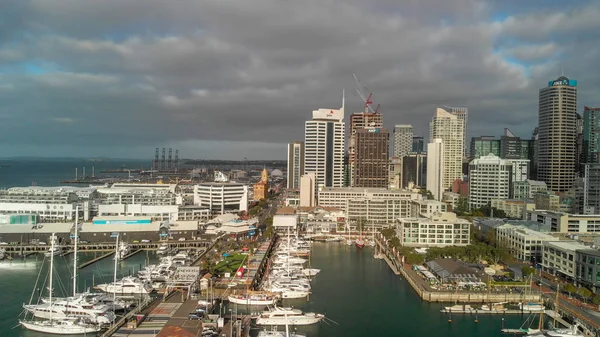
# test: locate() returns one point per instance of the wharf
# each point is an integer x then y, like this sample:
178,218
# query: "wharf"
106,246
489,312
92,261
131,254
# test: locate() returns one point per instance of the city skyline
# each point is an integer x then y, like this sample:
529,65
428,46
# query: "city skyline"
214,81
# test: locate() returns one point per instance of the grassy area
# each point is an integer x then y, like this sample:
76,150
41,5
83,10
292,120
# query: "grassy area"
230,264
510,284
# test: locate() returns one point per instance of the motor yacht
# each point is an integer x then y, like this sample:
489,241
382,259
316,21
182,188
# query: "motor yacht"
163,249
283,316
79,308
570,332
126,286
53,251
61,326
531,306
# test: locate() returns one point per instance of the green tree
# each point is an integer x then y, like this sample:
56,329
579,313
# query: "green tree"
596,299
585,293
388,233
395,242
527,270
571,289
462,206
426,194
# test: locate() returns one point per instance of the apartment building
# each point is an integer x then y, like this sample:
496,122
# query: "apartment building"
513,208
523,243
565,222
440,230
588,268
560,258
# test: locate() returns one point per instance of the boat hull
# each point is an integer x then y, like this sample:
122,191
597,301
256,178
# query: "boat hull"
58,330
252,301
289,320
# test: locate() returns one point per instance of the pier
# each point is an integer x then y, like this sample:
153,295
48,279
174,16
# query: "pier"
24,249
101,257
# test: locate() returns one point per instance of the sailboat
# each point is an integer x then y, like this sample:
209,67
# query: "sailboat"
62,326
360,243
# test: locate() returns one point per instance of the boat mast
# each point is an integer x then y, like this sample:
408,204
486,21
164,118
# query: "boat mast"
115,272
556,305
75,252
51,268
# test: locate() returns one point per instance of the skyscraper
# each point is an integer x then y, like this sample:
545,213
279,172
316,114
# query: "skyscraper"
418,144
557,134
324,147
435,168
403,140
295,164
360,120
371,168
463,115
449,128
484,145
591,135
489,178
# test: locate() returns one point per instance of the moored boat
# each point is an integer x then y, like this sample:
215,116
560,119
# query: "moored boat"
283,316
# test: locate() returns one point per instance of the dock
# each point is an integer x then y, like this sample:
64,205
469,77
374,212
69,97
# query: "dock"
488,312
513,331
131,254
101,257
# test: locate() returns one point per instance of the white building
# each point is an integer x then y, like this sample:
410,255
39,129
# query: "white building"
450,129
565,222
324,146
295,164
308,190
442,229
560,258
283,223
527,189
338,197
489,178
403,134
436,168
221,197
523,243
463,115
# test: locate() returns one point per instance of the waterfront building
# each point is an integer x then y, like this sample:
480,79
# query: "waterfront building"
591,188
591,135
418,144
321,219
295,164
436,166
513,208
524,243
559,258
403,140
371,166
159,201
489,178
414,170
50,204
324,146
221,197
588,268
308,190
450,129
358,121
282,223
564,222
557,134
440,230
483,146
261,188
463,115
527,189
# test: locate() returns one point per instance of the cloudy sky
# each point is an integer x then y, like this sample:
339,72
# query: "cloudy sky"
235,78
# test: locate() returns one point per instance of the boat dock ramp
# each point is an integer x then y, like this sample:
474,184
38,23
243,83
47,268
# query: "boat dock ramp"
94,260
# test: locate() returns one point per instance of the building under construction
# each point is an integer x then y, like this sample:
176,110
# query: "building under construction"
165,163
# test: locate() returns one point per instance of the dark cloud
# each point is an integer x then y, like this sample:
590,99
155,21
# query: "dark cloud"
236,78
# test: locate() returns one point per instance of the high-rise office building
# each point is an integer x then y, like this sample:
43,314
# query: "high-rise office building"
449,128
371,168
418,144
403,140
510,146
557,134
483,146
579,156
360,120
295,164
414,169
591,135
463,115
489,178
435,168
308,190
324,147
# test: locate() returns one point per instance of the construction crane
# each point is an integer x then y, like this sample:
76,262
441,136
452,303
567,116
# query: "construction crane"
367,100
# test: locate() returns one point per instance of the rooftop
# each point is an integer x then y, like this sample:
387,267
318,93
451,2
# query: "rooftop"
567,245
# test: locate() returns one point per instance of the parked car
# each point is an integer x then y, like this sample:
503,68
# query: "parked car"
146,241
181,239
194,315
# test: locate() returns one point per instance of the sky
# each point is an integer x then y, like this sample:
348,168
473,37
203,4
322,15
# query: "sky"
235,79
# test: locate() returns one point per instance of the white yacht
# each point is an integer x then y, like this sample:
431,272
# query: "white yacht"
276,333
79,308
2,253
180,259
283,316
53,251
572,332
126,286
123,250
95,299
163,249
253,299
287,293
61,327
531,306
310,271
459,307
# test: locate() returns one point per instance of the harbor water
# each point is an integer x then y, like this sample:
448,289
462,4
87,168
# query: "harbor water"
18,278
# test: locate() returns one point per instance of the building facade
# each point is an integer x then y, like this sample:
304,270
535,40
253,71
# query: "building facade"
449,128
440,230
527,189
588,268
436,168
221,197
371,168
557,134
560,258
418,144
261,188
360,120
463,115
489,178
324,147
591,135
403,140
483,146
524,244
565,222
295,164
414,169
591,188
308,190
